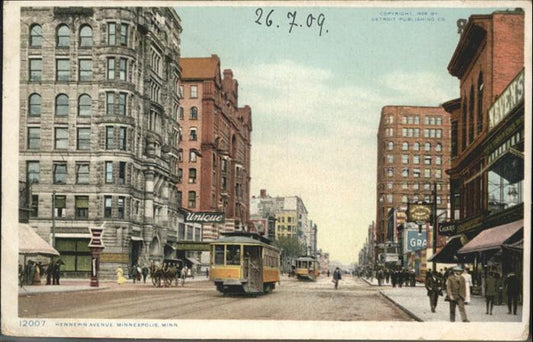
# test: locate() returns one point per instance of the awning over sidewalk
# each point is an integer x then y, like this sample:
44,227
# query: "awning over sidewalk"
492,238
194,261
30,243
518,246
447,255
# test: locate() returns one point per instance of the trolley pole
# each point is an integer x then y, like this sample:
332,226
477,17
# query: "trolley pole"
435,223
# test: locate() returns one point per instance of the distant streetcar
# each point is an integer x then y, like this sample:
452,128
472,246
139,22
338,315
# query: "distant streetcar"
307,268
243,262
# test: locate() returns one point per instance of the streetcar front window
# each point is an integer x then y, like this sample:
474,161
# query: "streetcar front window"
219,255
233,254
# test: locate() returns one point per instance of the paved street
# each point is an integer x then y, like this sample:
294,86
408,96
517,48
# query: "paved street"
355,300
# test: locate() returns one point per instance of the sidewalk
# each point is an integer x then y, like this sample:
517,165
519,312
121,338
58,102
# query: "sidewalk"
72,285
415,302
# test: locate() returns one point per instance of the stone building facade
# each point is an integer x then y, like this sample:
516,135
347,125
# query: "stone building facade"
214,164
99,134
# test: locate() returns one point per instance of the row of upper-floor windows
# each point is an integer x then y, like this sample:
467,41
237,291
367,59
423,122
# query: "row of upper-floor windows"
116,104
416,186
416,198
415,120
85,69
415,146
415,172
117,34
115,138
415,132
193,91
415,159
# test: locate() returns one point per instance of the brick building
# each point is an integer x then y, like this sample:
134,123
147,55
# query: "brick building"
487,170
98,129
215,155
413,154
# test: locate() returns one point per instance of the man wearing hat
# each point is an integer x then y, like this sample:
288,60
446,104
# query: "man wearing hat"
456,292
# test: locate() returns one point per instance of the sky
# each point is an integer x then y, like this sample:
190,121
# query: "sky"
316,97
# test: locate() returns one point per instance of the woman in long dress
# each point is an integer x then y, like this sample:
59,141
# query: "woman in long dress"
120,276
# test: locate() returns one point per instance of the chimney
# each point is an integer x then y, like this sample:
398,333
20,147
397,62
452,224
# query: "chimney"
228,74
262,193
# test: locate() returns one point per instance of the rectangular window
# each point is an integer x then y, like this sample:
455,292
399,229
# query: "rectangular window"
194,92
108,206
192,199
60,173
61,138
109,172
84,139
123,69
121,172
110,103
122,138
122,103
109,137
192,176
427,173
75,254
62,70
192,156
438,173
85,70
81,207
120,207
34,138
416,173
233,254
34,206
416,159
405,159
197,234
124,34
111,33
427,160
33,171
438,160
82,173
60,203
36,69
111,68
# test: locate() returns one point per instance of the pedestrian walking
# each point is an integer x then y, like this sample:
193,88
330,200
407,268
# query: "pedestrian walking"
491,290
393,278
455,289
468,284
120,276
56,271
399,278
512,286
21,275
387,275
380,276
31,272
434,289
412,279
48,271
134,273
336,277
144,271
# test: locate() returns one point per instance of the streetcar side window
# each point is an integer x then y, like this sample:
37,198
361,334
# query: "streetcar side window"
219,255
233,254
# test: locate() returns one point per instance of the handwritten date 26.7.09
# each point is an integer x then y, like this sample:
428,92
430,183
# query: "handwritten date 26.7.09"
293,20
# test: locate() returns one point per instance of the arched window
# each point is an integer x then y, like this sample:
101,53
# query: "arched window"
62,105
427,146
84,105
86,36
181,116
416,146
194,113
471,116
480,102
390,145
36,36
438,147
63,36
34,109
405,146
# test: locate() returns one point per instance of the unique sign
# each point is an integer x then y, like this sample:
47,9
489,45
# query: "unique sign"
96,237
416,241
419,212
204,217
447,228
509,99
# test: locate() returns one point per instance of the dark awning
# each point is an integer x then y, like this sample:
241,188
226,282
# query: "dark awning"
492,238
448,254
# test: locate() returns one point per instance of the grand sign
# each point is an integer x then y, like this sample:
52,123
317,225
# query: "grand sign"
419,213
415,241
204,217
511,97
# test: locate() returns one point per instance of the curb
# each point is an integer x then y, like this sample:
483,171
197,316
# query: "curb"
412,315
30,293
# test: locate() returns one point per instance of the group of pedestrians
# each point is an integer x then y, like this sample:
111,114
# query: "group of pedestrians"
385,275
33,272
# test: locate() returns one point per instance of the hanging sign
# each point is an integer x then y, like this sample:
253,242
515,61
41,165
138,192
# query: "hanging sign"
419,212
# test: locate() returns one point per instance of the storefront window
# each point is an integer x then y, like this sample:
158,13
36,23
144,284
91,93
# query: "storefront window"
75,253
506,178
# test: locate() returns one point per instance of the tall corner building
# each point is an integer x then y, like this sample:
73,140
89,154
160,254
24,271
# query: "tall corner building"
413,154
216,147
98,130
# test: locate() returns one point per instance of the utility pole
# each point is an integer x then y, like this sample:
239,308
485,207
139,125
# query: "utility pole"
435,223
54,219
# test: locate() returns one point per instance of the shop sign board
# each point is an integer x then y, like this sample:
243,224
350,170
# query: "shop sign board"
204,217
447,228
415,241
419,212
511,97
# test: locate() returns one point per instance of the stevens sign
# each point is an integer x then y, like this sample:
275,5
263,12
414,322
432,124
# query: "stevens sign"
204,217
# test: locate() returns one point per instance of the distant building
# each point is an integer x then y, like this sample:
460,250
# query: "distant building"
214,163
99,133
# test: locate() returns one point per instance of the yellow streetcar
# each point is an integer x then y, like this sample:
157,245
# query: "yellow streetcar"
307,268
243,262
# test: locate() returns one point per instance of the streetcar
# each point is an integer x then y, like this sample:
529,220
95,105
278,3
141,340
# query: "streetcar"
307,268
243,262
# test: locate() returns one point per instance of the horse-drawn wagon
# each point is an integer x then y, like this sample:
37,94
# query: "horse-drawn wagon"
168,272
